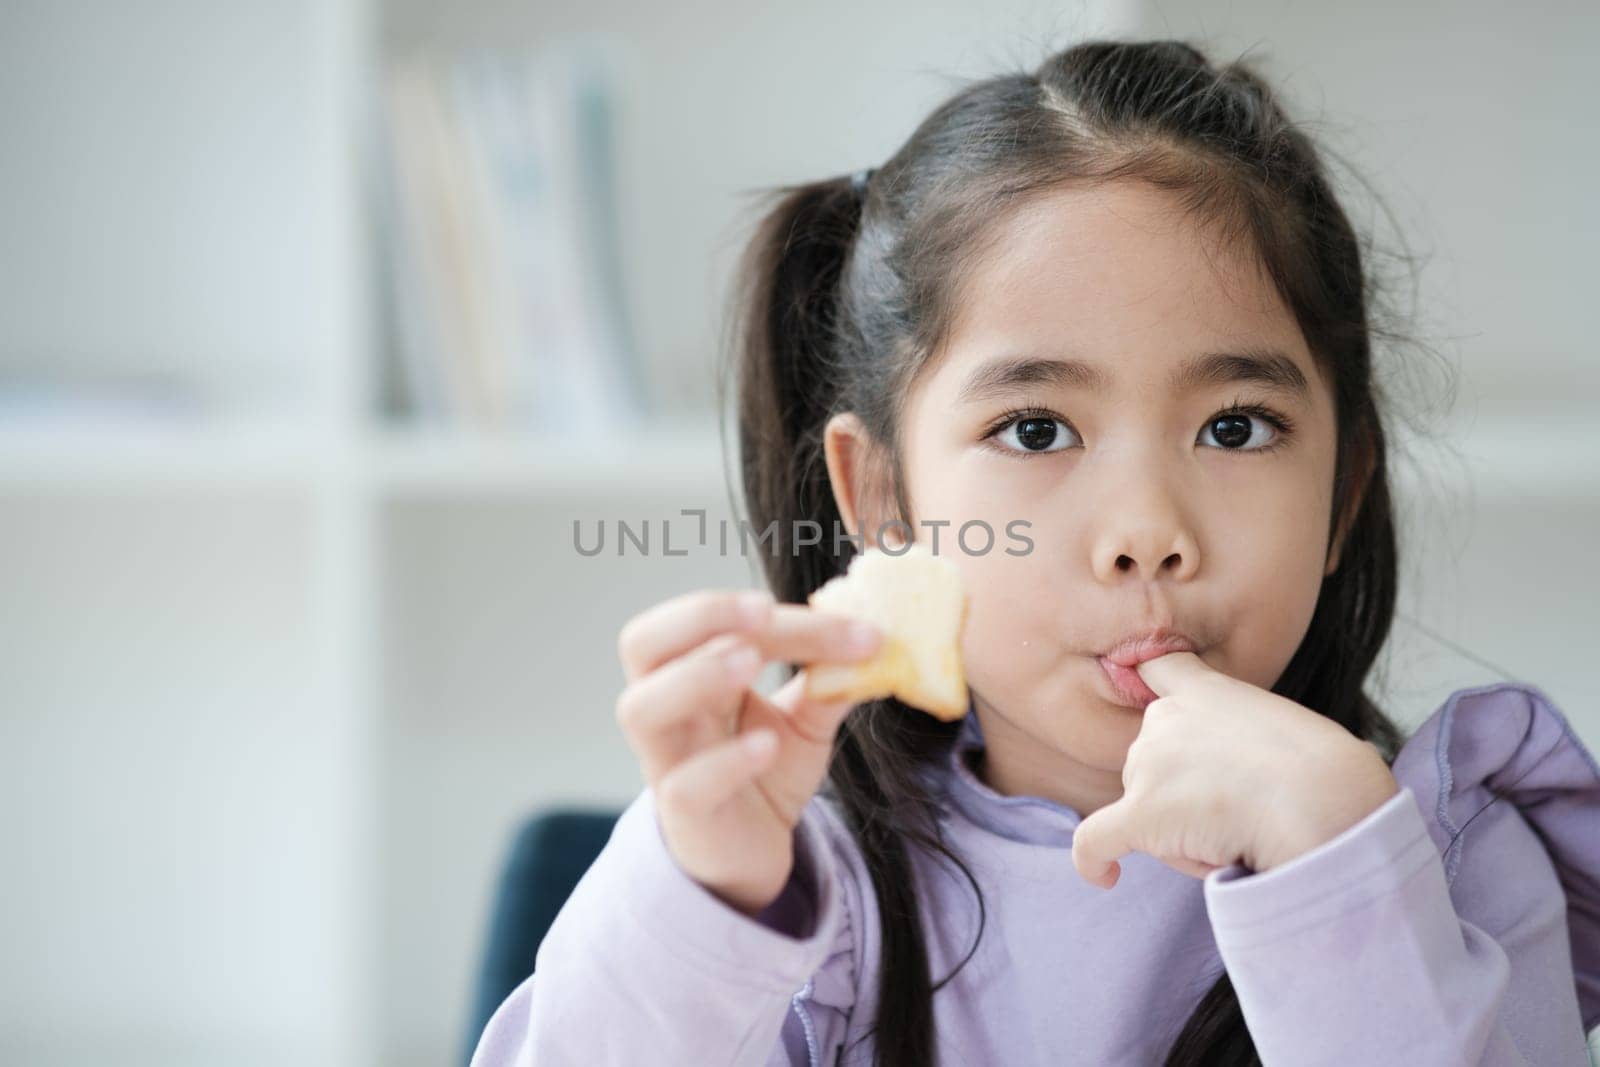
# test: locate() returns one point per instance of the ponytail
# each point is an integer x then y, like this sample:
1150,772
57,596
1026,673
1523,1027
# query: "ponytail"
788,286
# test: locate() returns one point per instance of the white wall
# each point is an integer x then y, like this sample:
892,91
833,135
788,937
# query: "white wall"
1477,124
171,880
161,175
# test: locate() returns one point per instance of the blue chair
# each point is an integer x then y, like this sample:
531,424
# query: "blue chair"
548,855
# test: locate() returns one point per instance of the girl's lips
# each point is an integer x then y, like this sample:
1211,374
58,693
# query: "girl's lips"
1127,687
1136,648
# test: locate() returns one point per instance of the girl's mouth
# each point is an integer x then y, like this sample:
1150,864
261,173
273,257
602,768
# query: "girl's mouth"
1120,662
1127,688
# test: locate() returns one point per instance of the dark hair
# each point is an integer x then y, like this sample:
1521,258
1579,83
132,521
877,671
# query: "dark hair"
843,294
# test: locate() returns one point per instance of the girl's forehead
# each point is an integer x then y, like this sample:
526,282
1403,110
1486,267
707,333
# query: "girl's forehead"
1120,278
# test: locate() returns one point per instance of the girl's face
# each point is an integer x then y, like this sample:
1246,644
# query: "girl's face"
1111,383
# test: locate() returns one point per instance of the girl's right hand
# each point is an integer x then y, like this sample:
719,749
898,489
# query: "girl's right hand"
732,770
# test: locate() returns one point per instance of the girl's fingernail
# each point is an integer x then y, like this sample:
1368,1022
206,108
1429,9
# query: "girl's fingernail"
753,606
760,742
742,662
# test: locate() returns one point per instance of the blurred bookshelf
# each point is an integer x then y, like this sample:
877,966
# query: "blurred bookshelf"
479,334
354,337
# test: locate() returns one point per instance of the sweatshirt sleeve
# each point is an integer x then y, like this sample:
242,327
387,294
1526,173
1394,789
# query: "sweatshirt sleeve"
644,965
1435,930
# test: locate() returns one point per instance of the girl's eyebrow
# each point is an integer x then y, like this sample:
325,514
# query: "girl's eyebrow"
1268,367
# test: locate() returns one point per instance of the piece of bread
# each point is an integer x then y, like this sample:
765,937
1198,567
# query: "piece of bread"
916,599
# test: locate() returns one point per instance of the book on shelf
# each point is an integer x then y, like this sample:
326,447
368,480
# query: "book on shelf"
500,253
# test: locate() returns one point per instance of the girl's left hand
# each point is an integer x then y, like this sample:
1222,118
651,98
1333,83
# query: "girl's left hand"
1226,772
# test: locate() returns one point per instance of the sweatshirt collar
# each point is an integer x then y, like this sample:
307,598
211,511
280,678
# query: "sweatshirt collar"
1027,819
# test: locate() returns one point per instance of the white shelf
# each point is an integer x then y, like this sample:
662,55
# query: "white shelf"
154,456
650,455
668,454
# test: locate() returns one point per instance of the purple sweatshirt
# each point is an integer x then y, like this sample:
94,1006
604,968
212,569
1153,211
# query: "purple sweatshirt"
1428,933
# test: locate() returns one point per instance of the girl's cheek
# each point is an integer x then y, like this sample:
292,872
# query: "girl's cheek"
1001,641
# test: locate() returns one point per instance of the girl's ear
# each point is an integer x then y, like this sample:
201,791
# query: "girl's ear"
854,472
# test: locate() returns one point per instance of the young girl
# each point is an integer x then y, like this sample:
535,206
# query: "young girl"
1115,300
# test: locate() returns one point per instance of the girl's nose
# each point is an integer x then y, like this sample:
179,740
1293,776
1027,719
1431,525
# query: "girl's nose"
1143,532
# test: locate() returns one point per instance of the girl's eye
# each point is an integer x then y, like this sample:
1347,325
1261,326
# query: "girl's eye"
1032,432
1233,430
